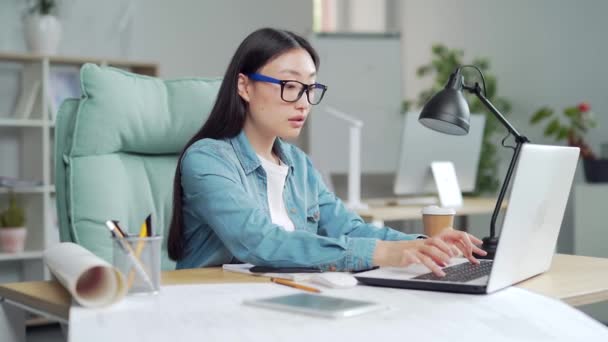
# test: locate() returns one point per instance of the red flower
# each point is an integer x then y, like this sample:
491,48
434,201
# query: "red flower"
584,107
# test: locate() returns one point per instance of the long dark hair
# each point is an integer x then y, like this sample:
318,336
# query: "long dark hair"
227,117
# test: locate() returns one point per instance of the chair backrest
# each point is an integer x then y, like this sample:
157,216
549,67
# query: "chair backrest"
116,150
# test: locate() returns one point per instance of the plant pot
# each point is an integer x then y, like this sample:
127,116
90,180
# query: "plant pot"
42,33
596,170
12,239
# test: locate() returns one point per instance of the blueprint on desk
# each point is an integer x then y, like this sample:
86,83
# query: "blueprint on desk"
215,312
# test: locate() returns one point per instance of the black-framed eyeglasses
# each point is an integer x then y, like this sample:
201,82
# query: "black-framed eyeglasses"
292,90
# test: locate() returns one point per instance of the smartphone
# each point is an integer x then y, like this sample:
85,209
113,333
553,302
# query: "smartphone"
317,305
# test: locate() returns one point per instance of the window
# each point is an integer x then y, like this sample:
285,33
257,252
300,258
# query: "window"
356,16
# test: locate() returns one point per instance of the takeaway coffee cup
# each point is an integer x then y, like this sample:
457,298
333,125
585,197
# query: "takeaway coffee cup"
436,219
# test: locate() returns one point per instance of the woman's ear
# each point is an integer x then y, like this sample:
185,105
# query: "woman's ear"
242,87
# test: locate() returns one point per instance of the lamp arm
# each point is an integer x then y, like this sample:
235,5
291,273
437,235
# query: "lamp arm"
519,141
476,89
505,186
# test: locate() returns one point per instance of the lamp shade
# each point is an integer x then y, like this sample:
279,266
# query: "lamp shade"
447,111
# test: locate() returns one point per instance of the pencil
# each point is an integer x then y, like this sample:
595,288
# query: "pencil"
143,231
118,229
148,223
294,285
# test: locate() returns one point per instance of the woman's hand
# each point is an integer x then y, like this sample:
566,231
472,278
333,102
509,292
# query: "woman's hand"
466,244
434,252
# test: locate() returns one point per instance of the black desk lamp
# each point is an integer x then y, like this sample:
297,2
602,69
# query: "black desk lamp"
448,112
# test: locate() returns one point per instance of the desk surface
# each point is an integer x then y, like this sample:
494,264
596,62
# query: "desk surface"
380,210
577,280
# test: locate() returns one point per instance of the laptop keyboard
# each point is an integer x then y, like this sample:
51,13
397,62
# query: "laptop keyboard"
461,273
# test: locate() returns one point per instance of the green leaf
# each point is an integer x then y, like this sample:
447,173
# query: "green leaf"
423,70
425,96
438,49
503,105
438,65
563,133
452,62
541,114
490,86
571,112
552,128
580,128
482,64
405,106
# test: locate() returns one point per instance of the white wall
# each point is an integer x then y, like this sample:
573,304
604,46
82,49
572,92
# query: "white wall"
349,68
186,37
193,37
544,52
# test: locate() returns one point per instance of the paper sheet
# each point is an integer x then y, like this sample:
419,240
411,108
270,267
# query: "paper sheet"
214,312
90,280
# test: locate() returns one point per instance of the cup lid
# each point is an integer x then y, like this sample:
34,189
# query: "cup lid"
435,210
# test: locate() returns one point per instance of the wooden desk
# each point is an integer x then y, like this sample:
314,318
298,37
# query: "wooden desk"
379,211
577,280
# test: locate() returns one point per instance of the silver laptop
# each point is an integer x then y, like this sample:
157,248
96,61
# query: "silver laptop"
539,193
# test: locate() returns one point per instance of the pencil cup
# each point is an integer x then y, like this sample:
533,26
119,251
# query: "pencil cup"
138,258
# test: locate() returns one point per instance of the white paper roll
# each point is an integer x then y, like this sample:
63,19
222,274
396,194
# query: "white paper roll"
91,281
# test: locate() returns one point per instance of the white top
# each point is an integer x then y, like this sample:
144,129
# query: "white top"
276,175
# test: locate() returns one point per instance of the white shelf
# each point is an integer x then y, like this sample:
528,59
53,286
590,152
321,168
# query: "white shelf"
140,67
29,144
30,189
11,122
26,255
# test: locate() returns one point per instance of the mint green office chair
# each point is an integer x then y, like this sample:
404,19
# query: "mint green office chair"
116,150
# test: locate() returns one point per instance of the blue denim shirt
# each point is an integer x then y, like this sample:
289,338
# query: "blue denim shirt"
226,214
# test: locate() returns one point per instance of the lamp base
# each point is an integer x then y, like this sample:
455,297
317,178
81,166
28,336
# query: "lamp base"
489,245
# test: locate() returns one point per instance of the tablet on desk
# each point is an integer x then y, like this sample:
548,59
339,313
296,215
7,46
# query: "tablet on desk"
317,305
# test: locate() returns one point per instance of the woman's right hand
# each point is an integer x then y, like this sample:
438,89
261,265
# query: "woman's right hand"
433,253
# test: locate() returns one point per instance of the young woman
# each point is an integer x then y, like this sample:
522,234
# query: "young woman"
242,194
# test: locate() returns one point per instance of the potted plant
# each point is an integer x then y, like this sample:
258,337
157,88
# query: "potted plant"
42,28
12,226
572,127
443,63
